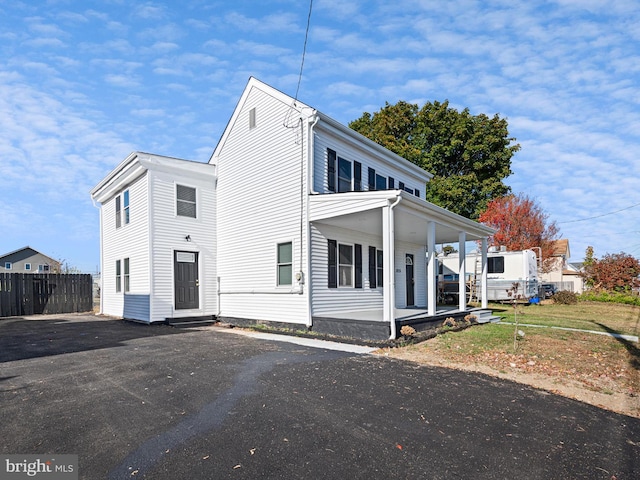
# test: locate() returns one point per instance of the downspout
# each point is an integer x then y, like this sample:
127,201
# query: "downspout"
392,276
311,122
99,207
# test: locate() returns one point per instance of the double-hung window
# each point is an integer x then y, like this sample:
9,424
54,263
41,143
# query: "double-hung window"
125,201
285,263
185,201
118,210
118,276
126,275
345,265
343,175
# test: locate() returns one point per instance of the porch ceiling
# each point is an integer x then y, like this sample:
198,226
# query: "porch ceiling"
412,217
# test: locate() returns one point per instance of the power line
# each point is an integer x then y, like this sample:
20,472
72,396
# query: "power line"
304,50
598,216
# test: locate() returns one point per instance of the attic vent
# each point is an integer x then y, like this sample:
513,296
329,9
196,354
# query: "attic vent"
252,118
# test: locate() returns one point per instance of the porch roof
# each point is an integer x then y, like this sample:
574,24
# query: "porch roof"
361,211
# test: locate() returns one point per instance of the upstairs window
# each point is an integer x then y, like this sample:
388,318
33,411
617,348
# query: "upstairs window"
252,118
7,265
285,263
381,182
185,201
125,201
43,268
118,210
343,175
27,266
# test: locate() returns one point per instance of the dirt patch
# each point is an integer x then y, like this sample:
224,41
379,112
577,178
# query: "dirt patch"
596,370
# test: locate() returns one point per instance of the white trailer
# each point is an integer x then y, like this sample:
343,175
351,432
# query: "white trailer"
504,270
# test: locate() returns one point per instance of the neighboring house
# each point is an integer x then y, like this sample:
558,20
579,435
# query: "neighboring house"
295,220
564,275
28,260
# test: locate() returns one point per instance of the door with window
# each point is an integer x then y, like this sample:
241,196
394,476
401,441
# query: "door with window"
410,280
185,268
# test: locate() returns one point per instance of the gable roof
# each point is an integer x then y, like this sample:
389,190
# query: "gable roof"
302,110
28,252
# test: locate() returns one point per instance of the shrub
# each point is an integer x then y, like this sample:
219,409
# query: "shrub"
565,297
407,331
609,297
449,322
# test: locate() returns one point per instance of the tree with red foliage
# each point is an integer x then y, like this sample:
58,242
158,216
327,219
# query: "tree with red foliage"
615,272
521,224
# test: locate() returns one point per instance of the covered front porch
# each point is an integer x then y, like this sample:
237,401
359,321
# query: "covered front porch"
399,220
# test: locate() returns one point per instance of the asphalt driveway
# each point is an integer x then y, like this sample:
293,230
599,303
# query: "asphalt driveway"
136,401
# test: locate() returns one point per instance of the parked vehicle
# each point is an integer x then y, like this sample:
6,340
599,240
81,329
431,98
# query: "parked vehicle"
548,290
505,269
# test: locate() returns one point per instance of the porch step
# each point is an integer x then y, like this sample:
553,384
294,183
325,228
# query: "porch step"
486,316
191,321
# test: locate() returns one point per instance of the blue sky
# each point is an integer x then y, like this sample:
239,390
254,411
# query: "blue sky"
84,83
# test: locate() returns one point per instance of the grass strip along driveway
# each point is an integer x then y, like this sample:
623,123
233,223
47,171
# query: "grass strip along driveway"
602,370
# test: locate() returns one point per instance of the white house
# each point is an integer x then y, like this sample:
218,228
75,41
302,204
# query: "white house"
299,221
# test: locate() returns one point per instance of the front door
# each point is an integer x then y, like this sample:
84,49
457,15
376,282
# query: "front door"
185,268
410,281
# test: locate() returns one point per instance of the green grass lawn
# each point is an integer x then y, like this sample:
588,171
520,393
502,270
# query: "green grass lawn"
604,317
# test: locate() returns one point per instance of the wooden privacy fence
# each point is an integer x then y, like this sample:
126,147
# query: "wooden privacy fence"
34,293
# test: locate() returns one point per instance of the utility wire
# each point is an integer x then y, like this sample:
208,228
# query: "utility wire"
598,216
304,50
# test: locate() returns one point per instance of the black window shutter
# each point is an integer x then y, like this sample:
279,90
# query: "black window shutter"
372,267
333,264
401,185
392,183
358,261
357,176
331,169
416,192
372,179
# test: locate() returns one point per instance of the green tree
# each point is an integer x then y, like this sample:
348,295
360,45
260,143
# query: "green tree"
469,155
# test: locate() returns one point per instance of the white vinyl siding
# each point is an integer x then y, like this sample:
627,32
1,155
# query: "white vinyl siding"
131,242
259,204
169,232
383,169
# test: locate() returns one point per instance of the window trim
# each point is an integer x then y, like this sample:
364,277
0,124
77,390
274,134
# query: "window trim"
280,263
184,201
8,266
118,276
27,266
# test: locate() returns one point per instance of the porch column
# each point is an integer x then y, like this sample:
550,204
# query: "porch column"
462,271
388,249
485,270
432,298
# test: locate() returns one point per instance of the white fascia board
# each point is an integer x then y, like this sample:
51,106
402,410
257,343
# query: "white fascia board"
137,163
124,174
369,146
445,217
